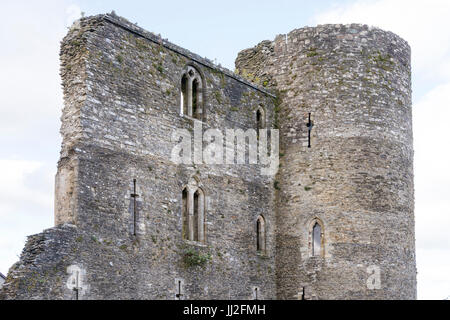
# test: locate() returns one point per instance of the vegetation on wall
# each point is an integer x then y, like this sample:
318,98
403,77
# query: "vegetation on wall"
194,258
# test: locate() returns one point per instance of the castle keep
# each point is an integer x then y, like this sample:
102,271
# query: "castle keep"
335,222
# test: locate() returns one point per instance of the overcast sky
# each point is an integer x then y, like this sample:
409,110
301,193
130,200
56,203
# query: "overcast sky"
31,97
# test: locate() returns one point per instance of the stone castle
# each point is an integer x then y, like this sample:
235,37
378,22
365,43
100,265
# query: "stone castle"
335,222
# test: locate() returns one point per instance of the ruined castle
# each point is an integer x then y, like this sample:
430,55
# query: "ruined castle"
336,221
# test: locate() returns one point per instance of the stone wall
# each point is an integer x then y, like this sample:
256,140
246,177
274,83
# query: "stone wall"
357,177
122,103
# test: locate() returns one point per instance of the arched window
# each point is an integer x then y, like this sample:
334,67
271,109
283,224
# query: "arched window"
184,94
195,92
316,238
195,218
193,212
260,120
260,234
185,214
191,93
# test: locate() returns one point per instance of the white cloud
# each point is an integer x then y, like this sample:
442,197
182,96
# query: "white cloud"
432,177
24,209
30,107
433,279
424,24
73,13
29,65
12,188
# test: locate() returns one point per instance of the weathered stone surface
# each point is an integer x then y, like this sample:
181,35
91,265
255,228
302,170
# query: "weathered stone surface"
121,104
358,175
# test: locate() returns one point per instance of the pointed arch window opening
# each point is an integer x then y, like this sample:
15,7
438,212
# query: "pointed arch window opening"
185,216
260,120
196,216
258,240
260,235
191,94
193,213
184,94
317,238
195,109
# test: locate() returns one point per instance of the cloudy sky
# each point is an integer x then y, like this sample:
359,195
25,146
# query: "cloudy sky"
31,98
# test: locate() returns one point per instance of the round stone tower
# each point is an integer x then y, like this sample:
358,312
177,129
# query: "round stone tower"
345,220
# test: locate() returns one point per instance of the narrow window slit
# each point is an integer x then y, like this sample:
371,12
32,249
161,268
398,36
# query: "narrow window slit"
184,95
260,121
185,214
260,235
195,99
77,288
310,125
134,196
316,239
196,217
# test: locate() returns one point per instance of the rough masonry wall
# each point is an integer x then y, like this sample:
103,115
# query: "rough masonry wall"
122,102
357,177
